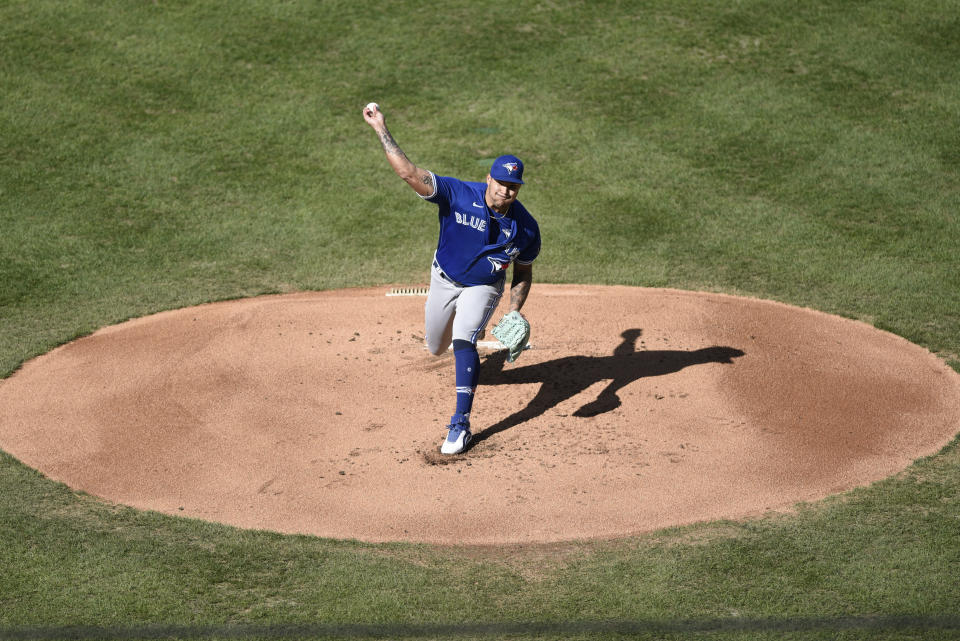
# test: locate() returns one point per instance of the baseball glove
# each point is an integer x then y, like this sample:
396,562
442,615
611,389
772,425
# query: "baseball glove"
513,331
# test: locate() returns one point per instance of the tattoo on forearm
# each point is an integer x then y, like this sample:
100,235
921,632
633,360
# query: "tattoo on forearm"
518,293
390,145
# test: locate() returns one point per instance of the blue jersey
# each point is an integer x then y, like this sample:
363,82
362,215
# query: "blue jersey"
476,243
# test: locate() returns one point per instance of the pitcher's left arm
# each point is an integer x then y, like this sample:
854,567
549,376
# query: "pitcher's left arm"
520,285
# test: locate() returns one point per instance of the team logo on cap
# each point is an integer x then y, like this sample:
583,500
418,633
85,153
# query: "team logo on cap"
510,167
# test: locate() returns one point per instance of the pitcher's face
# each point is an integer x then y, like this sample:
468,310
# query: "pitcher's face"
500,194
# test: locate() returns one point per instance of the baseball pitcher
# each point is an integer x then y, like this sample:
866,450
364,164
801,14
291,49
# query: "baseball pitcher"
483,230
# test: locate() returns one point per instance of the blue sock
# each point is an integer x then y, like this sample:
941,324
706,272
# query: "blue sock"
467,362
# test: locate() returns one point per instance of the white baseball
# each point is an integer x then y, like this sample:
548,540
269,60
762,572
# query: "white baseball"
372,106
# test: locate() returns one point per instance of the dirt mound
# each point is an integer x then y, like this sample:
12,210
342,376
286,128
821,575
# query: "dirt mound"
322,413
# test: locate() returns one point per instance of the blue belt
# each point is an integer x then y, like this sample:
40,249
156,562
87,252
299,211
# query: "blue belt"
444,276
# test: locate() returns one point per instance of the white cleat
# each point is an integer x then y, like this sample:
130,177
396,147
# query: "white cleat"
458,436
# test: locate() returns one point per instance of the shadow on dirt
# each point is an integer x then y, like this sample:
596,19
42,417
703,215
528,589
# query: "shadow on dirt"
566,377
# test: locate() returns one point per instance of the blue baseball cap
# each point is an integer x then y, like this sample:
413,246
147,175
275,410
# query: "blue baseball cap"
508,169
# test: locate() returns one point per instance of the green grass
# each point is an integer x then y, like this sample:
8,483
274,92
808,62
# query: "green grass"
160,154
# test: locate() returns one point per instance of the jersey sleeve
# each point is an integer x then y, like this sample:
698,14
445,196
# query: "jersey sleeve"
532,250
528,256
442,189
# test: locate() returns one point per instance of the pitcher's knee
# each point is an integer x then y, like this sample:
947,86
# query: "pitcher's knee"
436,347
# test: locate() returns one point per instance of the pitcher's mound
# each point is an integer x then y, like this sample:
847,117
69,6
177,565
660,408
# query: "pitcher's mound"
635,409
